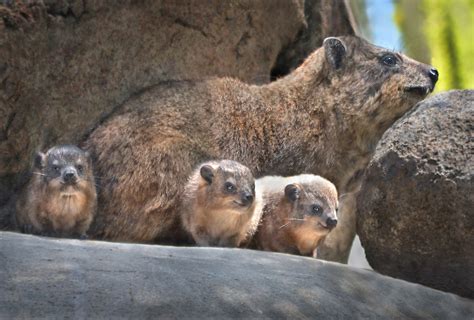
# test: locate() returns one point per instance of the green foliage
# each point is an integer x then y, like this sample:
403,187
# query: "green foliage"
447,31
407,16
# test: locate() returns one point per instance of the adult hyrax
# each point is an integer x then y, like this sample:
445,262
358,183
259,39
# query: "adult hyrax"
325,117
218,204
60,199
298,213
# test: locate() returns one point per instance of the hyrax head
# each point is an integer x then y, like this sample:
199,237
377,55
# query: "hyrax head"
229,185
312,205
64,167
222,195
374,85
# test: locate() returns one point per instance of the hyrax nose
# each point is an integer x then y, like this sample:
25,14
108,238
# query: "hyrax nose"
247,198
433,73
331,223
69,176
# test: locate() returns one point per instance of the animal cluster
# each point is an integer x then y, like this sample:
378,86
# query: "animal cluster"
160,184
223,205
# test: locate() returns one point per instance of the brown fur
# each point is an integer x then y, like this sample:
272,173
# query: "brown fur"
48,206
288,225
212,215
326,117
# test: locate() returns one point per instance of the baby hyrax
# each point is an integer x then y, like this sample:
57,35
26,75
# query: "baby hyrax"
218,206
60,199
298,213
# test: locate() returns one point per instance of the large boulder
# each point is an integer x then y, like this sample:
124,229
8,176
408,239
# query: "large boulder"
65,65
415,208
44,278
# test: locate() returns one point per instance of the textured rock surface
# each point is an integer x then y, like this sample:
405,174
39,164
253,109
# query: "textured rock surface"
45,278
64,65
415,208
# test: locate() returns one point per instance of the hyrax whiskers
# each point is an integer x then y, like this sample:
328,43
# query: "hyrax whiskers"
60,198
298,213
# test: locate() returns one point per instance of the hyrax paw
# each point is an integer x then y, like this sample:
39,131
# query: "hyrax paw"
50,234
27,228
83,237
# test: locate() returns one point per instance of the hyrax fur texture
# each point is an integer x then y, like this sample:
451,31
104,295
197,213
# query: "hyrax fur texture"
60,199
298,213
325,117
218,206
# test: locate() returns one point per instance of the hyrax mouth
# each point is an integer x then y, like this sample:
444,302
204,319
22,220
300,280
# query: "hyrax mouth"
326,227
69,188
419,90
241,204
323,225
69,183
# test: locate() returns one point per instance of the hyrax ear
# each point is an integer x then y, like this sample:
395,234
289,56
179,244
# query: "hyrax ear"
88,157
40,160
292,191
335,51
207,173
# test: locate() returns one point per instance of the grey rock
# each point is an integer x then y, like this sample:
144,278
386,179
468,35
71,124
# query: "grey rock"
357,255
57,278
415,208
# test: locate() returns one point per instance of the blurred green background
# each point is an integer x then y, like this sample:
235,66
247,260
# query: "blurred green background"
437,32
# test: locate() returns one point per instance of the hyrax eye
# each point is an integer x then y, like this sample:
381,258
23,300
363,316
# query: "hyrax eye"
316,210
80,168
229,187
56,168
389,60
